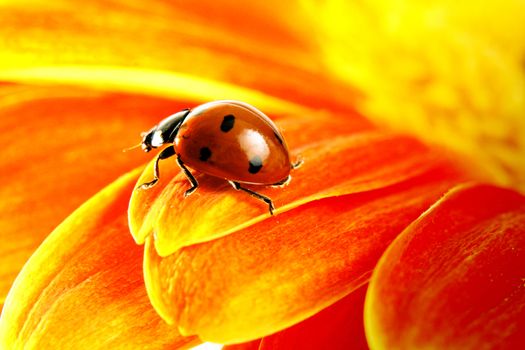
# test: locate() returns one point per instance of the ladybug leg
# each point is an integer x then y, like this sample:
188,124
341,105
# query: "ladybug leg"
282,182
285,181
189,175
166,153
259,196
297,163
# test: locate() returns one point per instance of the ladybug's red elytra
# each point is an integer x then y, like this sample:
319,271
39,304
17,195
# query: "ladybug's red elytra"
227,139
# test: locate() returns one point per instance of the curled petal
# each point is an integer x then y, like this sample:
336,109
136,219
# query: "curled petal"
283,269
454,278
83,288
334,164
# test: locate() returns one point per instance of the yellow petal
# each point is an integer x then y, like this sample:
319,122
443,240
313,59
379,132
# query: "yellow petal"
451,72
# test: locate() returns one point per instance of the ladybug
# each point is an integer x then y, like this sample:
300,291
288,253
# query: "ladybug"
227,139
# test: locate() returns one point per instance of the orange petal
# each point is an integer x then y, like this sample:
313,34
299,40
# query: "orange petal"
267,46
281,270
454,279
83,288
60,146
334,164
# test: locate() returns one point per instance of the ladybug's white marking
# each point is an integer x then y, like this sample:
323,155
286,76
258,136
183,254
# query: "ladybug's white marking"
254,144
157,140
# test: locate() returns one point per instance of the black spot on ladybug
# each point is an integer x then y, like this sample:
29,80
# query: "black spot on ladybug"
205,154
227,123
278,137
255,165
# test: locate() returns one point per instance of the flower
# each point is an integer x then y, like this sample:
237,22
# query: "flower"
443,256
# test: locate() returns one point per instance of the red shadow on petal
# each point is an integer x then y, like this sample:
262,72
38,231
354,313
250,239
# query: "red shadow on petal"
338,327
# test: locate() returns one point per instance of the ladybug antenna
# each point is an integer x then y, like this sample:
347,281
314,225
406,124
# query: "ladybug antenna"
132,147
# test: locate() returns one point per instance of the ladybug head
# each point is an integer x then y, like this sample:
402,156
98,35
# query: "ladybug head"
147,140
163,133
